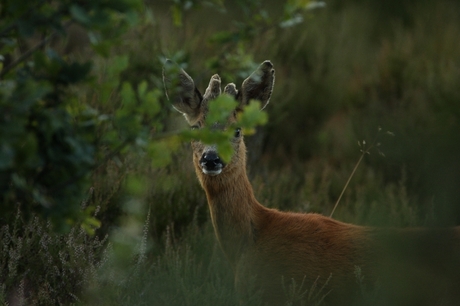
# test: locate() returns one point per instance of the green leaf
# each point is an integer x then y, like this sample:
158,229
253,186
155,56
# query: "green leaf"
75,72
220,110
79,14
6,156
159,153
114,67
128,98
102,48
90,224
118,64
141,89
136,185
150,105
221,139
225,150
177,15
132,18
251,117
224,37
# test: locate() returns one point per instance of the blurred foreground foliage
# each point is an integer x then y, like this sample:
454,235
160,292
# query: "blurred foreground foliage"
49,144
100,204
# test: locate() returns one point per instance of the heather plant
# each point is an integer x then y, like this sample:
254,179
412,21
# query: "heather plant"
41,267
190,270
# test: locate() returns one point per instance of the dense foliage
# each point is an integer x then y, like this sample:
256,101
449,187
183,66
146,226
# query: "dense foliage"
48,136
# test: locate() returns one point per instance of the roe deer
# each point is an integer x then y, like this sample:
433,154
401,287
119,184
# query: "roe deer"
268,247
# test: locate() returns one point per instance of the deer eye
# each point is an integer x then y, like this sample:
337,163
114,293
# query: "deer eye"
237,132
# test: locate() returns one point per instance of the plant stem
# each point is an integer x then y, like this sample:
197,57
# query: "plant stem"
346,185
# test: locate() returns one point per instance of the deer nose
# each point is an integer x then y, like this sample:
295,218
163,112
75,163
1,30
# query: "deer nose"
210,159
211,163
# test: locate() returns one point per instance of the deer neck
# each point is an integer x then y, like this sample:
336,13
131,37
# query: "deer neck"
232,205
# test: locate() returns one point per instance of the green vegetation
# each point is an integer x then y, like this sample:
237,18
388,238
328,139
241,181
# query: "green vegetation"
100,204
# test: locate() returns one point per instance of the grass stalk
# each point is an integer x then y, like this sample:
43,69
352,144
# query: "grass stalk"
348,182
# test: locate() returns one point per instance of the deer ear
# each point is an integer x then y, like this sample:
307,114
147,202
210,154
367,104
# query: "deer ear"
181,91
258,86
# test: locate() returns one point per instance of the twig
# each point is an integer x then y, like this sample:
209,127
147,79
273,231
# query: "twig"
29,52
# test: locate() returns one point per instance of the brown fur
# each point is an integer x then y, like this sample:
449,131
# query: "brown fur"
266,247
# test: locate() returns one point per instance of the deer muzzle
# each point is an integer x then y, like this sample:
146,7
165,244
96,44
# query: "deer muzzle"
210,162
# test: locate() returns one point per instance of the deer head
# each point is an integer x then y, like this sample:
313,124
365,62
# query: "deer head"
187,99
